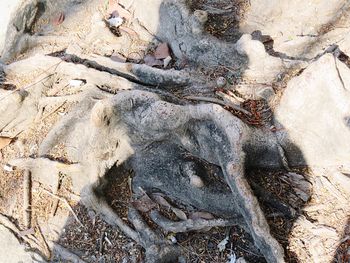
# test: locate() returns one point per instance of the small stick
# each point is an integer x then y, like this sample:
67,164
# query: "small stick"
100,249
231,94
53,111
108,241
283,157
54,207
67,204
55,202
227,98
46,246
26,87
220,102
8,224
216,11
27,211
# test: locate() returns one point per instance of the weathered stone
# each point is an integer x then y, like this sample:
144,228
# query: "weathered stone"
313,110
11,250
7,9
261,66
294,26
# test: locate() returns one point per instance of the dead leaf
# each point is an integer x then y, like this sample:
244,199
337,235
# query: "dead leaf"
115,13
201,215
118,58
162,51
222,244
179,213
160,200
144,204
129,31
58,19
135,57
115,8
4,141
166,61
151,61
27,232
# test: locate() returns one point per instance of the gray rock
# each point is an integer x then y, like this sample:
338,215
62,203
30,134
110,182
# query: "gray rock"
293,25
11,250
221,82
262,67
313,110
7,8
241,260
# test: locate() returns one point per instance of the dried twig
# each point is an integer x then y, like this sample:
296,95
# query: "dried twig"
166,251
234,96
55,202
283,156
228,98
53,111
220,102
27,185
113,219
5,221
45,246
67,204
100,249
26,87
217,11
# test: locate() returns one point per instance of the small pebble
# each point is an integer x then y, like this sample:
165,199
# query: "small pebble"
221,82
91,214
76,83
8,168
115,21
196,181
173,239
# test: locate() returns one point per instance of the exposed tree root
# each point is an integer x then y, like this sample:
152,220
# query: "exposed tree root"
138,116
157,248
269,199
217,101
190,225
111,118
140,74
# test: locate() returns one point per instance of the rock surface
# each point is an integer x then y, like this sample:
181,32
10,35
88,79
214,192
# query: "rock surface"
11,250
7,9
315,111
294,25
